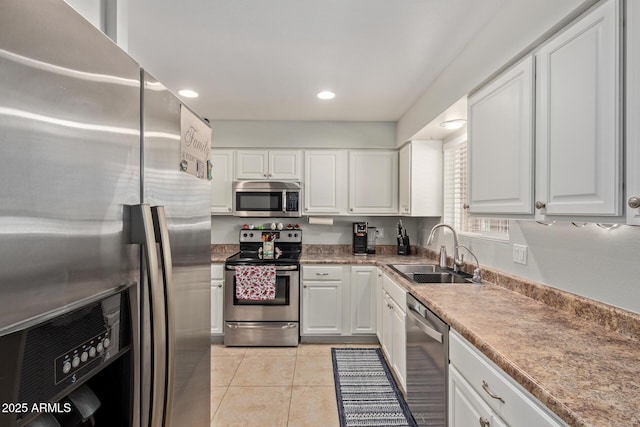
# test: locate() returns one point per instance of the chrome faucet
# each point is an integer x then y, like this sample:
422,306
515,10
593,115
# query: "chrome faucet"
457,261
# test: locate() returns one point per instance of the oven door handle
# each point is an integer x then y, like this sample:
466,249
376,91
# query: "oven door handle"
278,268
239,326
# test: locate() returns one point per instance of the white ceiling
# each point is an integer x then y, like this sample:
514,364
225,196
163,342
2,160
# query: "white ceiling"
267,59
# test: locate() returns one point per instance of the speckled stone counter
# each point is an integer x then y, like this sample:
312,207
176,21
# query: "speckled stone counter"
580,366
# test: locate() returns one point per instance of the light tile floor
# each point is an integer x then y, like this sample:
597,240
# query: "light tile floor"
274,386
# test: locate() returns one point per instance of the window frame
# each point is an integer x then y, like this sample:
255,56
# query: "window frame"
462,220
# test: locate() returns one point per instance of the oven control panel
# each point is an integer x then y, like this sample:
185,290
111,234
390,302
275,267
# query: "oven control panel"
281,236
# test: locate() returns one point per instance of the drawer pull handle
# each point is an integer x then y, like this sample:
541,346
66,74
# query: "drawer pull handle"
484,422
486,388
322,274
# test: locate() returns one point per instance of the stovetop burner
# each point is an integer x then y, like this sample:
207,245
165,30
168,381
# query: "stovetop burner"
287,248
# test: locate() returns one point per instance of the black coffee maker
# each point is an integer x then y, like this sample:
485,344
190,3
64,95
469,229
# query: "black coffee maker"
360,238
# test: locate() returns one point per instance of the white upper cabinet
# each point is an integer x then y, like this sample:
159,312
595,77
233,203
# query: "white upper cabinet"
501,144
325,182
633,112
579,134
373,182
273,164
221,181
420,174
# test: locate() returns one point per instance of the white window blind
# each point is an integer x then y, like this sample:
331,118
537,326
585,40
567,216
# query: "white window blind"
455,196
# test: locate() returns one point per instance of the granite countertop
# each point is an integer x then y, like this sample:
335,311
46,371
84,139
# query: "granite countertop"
581,370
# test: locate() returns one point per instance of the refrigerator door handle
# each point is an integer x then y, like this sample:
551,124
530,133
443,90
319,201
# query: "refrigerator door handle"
162,238
142,233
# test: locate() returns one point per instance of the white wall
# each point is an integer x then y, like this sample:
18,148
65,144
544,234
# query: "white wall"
303,134
517,27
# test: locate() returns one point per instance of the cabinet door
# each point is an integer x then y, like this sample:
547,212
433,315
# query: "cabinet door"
373,182
500,144
404,191
322,308
217,306
386,343
252,164
380,305
579,146
363,300
399,343
325,182
285,164
633,112
466,408
221,181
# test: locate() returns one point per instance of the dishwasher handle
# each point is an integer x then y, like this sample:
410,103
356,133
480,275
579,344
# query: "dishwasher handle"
424,327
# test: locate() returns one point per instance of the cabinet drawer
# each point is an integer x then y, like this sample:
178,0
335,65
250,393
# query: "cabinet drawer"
395,291
321,272
217,271
512,402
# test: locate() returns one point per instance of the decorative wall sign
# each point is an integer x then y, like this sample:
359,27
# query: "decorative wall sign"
195,144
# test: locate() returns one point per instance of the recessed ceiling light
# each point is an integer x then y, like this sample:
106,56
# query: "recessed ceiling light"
453,124
326,94
188,93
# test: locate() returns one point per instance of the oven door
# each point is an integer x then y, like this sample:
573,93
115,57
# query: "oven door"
284,307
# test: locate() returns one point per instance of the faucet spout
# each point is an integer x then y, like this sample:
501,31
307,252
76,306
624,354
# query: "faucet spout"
457,262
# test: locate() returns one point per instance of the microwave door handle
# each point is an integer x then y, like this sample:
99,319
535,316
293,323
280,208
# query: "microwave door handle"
162,238
142,233
284,201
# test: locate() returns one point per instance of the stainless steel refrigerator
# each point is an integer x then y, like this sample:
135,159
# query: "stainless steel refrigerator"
93,196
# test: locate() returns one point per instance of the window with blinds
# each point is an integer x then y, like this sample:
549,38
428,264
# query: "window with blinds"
455,196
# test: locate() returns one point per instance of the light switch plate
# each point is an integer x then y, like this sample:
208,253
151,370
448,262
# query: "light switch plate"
520,254
380,232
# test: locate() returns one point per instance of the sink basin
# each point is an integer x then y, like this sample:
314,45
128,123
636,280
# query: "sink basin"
430,273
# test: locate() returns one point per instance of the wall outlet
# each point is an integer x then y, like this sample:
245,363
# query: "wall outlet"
380,232
520,254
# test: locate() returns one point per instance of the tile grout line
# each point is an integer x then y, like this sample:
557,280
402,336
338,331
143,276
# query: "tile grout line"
295,363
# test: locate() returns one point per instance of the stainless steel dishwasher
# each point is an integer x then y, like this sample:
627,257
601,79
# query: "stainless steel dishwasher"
427,365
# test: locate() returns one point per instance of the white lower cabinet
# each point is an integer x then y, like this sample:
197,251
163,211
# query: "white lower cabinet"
217,300
479,388
393,330
339,300
363,299
322,299
466,408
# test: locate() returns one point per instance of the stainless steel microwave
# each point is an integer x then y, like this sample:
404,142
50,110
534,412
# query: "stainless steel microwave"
266,199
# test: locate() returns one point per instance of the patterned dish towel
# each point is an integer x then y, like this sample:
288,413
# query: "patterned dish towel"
256,282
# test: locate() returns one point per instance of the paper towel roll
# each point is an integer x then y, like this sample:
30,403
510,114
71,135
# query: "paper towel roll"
321,220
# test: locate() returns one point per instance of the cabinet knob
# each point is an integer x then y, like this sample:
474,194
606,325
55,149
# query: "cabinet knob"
351,209
634,202
229,209
540,205
484,422
465,206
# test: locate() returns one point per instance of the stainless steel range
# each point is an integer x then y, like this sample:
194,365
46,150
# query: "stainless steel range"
264,322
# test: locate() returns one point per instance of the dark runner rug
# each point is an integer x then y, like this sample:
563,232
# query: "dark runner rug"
366,391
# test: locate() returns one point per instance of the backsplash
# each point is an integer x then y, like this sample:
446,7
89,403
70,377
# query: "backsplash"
225,229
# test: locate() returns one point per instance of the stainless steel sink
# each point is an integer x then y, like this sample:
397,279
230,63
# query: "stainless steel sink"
430,273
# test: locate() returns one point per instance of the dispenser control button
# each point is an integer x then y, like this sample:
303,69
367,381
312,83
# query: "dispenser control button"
84,356
100,348
92,352
66,368
75,362
107,342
